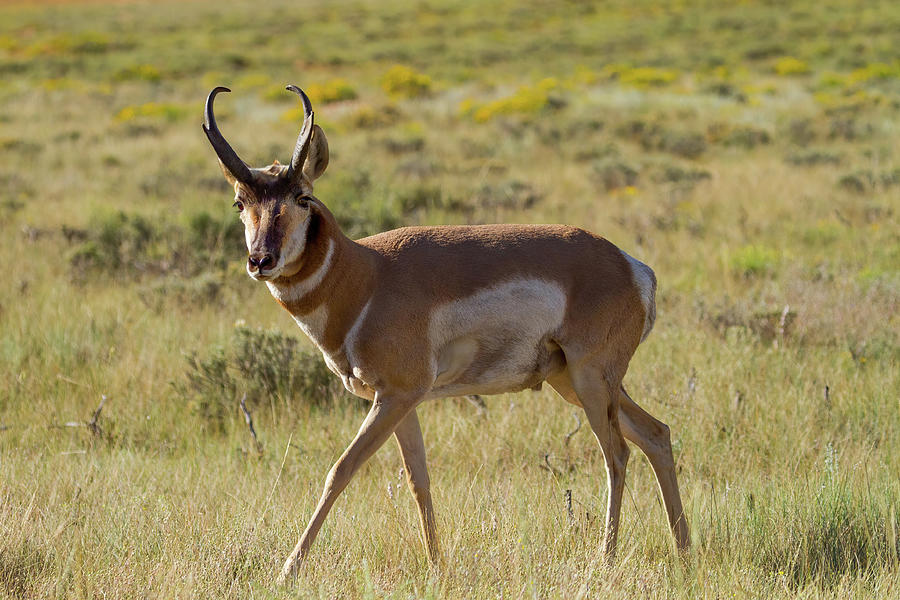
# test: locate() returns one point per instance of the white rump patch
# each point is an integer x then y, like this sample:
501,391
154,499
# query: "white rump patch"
292,293
645,280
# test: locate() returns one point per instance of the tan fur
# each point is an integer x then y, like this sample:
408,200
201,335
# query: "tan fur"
420,312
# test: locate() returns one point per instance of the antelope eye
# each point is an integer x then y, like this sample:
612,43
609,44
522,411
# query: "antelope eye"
238,205
303,201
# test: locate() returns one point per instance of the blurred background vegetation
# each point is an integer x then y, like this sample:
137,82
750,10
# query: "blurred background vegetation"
746,150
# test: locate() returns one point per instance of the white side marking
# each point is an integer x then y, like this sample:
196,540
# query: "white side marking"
509,322
302,288
351,342
645,280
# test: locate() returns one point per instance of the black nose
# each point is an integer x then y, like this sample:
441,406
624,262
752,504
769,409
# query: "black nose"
261,260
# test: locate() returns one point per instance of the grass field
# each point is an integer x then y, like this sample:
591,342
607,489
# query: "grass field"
747,151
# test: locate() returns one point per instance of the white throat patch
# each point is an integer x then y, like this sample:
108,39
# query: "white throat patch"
296,291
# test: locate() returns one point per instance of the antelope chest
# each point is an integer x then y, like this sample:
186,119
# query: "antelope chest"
313,325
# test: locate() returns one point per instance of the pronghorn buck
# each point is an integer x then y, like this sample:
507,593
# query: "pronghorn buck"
428,312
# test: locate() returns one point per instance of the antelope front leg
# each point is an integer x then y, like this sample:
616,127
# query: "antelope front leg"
383,417
412,449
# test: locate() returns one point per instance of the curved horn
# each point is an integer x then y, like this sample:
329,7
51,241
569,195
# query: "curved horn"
301,150
228,157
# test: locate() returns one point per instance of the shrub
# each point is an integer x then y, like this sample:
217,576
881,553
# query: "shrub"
262,364
403,82
652,136
788,65
334,90
613,174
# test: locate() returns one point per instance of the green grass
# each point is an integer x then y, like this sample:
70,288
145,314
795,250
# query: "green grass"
746,151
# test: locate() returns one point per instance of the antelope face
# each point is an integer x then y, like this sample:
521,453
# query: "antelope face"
275,203
276,222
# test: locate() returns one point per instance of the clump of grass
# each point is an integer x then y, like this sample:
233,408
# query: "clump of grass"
753,260
876,72
367,116
57,84
333,90
826,533
402,81
509,194
113,239
141,72
743,136
409,138
86,42
361,207
865,181
640,77
653,136
527,100
162,111
788,66
123,244
811,158
678,174
758,323
262,364
848,101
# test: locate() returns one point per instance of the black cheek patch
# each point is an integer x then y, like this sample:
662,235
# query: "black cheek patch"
314,228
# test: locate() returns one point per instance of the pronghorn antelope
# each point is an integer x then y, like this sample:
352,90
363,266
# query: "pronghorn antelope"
427,312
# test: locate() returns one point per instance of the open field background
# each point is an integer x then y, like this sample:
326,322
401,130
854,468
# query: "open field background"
747,151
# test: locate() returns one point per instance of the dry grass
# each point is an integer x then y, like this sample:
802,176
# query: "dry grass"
669,130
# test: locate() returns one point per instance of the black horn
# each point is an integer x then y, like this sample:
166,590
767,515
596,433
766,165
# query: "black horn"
228,157
301,150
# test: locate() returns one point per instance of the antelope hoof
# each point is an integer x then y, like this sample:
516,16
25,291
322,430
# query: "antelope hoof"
289,571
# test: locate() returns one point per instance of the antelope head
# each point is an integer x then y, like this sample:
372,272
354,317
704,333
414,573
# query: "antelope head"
275,203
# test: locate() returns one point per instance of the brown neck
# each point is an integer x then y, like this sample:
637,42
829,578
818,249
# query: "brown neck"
336,274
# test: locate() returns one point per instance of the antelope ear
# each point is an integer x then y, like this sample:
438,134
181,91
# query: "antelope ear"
317,159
